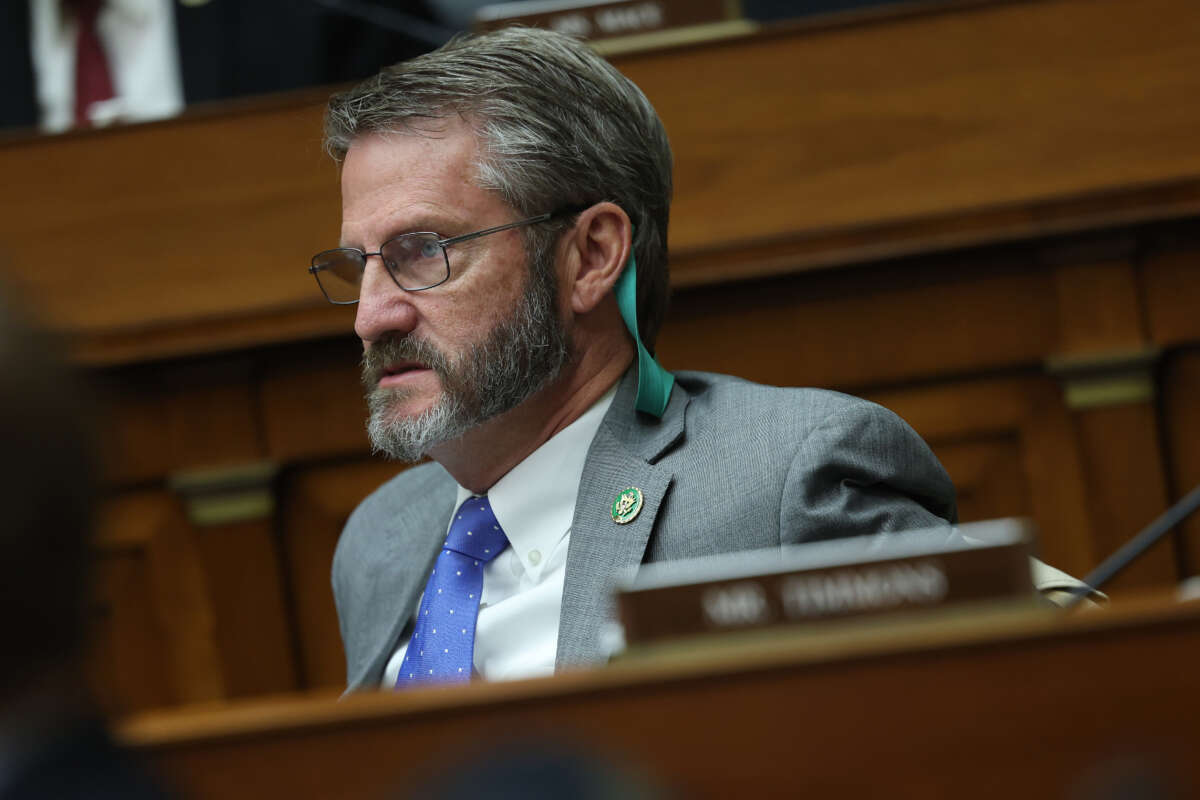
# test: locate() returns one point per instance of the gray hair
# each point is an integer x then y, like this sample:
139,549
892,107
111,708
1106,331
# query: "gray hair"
558,126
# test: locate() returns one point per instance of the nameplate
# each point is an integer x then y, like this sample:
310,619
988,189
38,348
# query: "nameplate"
828,581
609,20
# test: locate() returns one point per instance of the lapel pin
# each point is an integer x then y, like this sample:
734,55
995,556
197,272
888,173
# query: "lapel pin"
627,505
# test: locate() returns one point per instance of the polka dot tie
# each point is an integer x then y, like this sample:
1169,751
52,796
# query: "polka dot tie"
443,641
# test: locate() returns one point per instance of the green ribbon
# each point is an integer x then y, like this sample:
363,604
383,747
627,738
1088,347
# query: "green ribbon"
654,382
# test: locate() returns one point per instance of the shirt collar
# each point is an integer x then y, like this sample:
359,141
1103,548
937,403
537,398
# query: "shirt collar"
535,502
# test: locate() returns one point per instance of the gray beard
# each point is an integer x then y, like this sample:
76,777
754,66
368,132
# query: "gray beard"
517,358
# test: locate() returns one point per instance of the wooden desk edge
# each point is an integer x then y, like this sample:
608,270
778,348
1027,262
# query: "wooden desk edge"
887,637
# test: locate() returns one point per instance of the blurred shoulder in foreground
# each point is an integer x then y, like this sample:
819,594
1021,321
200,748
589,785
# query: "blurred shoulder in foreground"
53,743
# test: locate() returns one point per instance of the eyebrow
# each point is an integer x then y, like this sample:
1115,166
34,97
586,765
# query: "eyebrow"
423,224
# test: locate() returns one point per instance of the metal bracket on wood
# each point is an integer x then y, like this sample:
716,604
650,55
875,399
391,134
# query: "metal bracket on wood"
1100,380
224,495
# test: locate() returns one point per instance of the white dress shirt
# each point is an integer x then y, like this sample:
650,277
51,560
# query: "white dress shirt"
516,635
143,59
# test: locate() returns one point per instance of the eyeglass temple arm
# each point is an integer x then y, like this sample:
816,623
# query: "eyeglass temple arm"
466,237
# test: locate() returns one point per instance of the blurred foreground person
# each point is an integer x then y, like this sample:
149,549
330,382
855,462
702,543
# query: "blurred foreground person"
53,743
538,768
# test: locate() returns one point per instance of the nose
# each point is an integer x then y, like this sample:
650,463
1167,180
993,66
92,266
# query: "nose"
383,307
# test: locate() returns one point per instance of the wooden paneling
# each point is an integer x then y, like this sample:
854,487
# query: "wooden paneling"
1058,475
312,404
796,147
989,476
211,419
990,106
156,641
129,662
1172,293
1011,448
1127,488
1102,313
185,613
225,209
165,418
1181,408
317,502
1099,308
857,327
244,572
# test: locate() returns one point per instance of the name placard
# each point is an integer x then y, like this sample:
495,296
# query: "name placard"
829,580
606,20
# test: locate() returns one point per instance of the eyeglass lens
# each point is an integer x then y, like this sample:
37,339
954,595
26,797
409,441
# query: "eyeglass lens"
415,261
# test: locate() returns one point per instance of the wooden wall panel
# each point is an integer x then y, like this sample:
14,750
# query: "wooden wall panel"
128,663
311,400
1058,475
166,418
211,418
1126,487
1100,308
227,220
133,432
1104,317
990,106
941,129
1172,293
1181,405
244,573
854,328
1011,448
201,608
989,476
156,642
317,502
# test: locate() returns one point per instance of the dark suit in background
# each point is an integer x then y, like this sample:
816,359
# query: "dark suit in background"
52,741
81,763
234,48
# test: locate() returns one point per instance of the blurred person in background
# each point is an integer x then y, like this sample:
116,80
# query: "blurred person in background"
84,63
53,743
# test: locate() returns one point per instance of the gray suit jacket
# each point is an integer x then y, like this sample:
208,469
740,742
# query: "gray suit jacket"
731,466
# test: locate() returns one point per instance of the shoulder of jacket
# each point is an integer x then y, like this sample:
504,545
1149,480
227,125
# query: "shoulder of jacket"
742,403
398,496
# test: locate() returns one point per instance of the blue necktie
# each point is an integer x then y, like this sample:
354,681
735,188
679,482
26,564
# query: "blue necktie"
442,647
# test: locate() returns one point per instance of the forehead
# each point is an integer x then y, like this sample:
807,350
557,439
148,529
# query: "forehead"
396,178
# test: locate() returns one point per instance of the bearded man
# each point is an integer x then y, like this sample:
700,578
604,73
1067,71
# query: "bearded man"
505,203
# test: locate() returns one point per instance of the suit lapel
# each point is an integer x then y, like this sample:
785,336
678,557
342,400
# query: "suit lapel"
409,545
602,552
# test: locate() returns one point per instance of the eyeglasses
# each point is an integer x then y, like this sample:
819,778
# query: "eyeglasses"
416,261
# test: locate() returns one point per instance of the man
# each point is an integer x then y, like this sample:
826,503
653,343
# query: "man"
505,199
52,740
159,54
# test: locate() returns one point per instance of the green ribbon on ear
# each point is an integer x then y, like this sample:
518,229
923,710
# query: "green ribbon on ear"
654,382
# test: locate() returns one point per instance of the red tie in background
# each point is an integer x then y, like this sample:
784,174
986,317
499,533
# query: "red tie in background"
93,82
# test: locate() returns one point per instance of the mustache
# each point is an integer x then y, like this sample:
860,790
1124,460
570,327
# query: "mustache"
393,349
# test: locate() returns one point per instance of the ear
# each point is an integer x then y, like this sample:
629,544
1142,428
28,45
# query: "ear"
598,248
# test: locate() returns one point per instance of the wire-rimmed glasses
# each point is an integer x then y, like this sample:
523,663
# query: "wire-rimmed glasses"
416,261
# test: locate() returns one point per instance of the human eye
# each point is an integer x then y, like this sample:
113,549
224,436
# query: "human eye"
428,248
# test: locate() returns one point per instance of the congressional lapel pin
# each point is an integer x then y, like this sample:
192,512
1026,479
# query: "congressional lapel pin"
627,505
